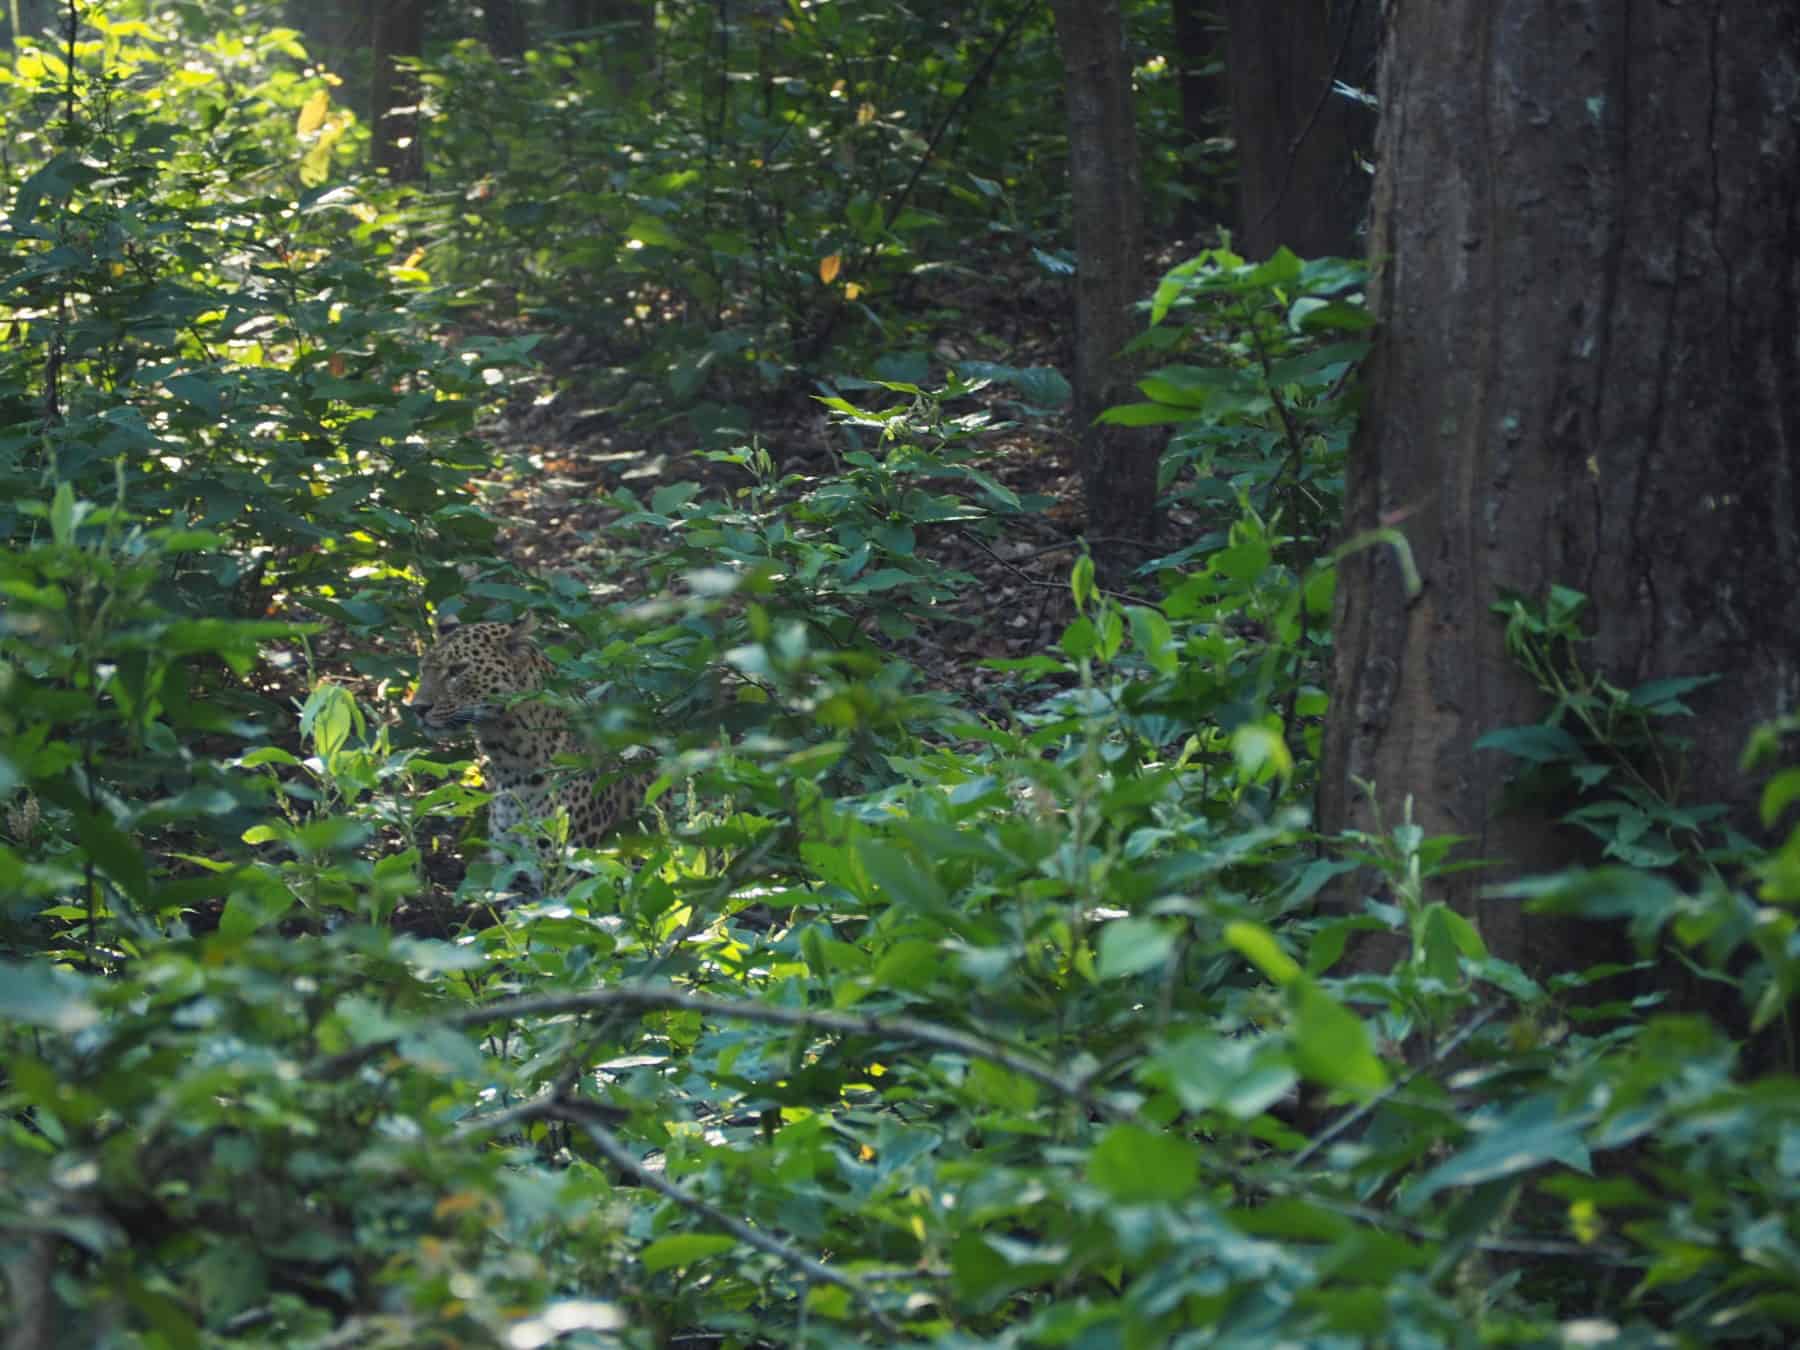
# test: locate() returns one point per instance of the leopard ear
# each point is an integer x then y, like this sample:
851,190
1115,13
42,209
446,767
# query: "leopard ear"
445,624
522,628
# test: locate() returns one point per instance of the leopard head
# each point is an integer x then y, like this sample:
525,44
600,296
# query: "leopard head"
472,672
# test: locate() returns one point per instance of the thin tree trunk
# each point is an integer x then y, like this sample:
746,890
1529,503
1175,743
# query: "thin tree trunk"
398,32
1205,107
628,41
1118,464
503,23
1587,233
624,35
1298,180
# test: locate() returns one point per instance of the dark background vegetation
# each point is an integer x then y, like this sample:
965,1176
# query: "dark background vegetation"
1206,590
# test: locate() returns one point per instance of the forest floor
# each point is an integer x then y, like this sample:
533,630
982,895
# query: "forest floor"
564,453
557,516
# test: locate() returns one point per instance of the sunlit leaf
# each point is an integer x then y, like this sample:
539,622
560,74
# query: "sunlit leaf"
312,113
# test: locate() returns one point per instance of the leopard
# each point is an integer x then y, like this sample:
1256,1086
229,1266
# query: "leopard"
483,676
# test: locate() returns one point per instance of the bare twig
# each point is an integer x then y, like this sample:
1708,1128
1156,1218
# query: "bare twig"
651,998
613,1149
1474,1024
1331,79
1027,579
976,82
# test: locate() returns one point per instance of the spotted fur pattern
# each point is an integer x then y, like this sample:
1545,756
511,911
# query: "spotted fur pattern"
473,676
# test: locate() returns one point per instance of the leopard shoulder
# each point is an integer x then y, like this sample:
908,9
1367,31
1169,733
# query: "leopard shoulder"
482,677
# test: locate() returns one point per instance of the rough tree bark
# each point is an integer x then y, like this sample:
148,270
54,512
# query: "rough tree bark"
1298,180
1118,464
1587,232
398,32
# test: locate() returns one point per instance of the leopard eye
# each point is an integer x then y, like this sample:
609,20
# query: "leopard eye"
456,668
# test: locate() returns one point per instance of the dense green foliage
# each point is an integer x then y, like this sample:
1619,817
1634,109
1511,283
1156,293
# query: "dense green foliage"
1007,1021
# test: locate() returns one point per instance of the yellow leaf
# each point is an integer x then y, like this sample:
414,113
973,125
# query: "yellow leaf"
312,116
1584,1219
865,114
315,165
852,291
457,1203
829,267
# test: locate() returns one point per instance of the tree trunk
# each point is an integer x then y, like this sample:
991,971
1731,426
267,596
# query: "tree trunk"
1118,464
398,32
1298,180
1205,107
33,17
503,24
1587,233
628,41
337,36
624,35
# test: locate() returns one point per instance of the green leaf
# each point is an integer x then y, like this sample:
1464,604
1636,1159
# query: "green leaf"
1662,698
1597,893
246,912
1128,946
1000,1087
1327,363
1243,1076
1444,937
1136,1166
328,718
1258,945
883,580
1081,581
910,965
1145,415
1153,638
1528,1136
994,488
1281,269
1110,632
1332,1046
829,1300
1260,753
1242,562
1310,314
40,995
1778,794
201,392
1080,639
63,515
984,1265
683,1249
647,229
1043,386
114,852
900,876
1538,744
